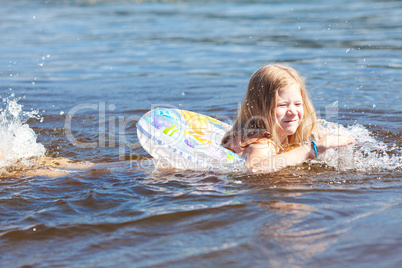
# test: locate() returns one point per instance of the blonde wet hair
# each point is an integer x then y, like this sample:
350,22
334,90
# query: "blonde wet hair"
257,115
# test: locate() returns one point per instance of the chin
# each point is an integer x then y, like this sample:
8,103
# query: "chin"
289,131
286,132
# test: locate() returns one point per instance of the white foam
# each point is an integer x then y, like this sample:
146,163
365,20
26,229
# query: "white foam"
17,139
366,154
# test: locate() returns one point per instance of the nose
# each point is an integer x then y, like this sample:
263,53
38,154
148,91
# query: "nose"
291,111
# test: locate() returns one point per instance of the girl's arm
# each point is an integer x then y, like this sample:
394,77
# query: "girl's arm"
261,157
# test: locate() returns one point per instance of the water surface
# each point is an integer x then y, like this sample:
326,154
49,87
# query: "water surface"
92,68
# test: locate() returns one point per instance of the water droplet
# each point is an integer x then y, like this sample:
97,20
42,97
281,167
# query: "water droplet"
112,107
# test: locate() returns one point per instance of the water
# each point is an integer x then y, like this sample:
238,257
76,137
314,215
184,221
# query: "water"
76,189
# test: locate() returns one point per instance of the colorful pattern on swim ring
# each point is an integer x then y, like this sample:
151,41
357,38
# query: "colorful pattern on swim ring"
186,140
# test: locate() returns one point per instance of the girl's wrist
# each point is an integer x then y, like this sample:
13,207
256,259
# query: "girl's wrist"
320,146
314,149
310,151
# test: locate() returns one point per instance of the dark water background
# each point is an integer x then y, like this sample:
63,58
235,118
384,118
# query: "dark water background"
102,64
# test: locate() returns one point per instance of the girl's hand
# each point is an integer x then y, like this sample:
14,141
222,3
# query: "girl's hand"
332,141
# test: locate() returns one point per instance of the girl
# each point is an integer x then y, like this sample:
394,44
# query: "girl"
276,125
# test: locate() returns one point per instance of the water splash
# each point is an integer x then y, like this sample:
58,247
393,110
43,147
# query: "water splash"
366,154
17,139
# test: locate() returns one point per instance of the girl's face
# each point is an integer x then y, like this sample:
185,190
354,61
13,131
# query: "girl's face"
289,110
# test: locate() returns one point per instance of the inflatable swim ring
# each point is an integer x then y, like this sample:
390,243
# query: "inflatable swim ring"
186,140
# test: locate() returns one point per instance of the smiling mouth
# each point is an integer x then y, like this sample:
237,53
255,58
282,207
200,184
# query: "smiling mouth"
291,121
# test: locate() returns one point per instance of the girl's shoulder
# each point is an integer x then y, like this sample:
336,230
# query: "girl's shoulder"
257,144
257,139
260,145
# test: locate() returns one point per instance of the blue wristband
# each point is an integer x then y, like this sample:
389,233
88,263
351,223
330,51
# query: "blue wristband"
315,148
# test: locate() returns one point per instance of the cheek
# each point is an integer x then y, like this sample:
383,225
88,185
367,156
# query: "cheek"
279,113
301,112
